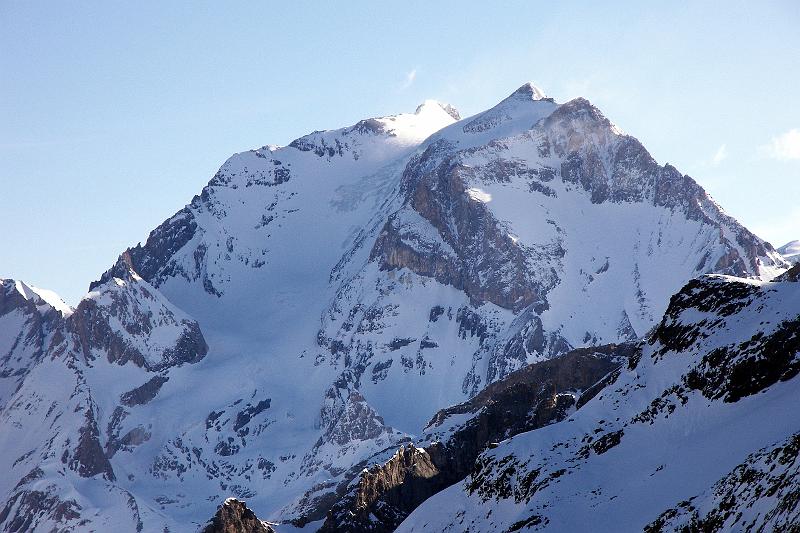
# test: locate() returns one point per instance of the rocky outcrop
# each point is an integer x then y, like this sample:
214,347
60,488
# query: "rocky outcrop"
353,421
144,393
506,403
793,274
537,395
151,259
27,509
120,318
234,516
465,246
88,458
736,370
384,495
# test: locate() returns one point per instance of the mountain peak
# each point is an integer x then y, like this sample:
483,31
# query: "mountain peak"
234,515
516,113
39,296
529,91
429,105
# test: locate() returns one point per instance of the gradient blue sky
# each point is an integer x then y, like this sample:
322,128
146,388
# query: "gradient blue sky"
114,114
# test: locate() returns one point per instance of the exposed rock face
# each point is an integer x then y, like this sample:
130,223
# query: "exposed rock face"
234,516
349,423
144,393
24,510
126,319
150,260
483,209
88,459
736,370
574,372
386,494
532,397
470,251
355,421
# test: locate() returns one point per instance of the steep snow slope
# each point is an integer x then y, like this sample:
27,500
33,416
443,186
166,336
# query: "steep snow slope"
317,303
700,415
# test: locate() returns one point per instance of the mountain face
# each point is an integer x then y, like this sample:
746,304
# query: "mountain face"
316,304
791,251
74,406
698,432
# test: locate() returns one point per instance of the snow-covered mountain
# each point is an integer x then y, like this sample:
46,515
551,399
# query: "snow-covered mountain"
318,303
700,431
28,318
791,251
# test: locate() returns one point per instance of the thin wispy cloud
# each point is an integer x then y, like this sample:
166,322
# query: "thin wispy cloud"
783,147
720,155
411,76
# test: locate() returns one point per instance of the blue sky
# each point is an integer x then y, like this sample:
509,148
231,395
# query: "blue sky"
113,115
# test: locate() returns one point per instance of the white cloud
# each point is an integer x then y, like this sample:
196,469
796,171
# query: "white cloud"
410,77
783,147
720,155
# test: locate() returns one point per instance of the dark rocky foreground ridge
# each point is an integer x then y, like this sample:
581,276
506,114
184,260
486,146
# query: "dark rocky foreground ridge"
530,398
